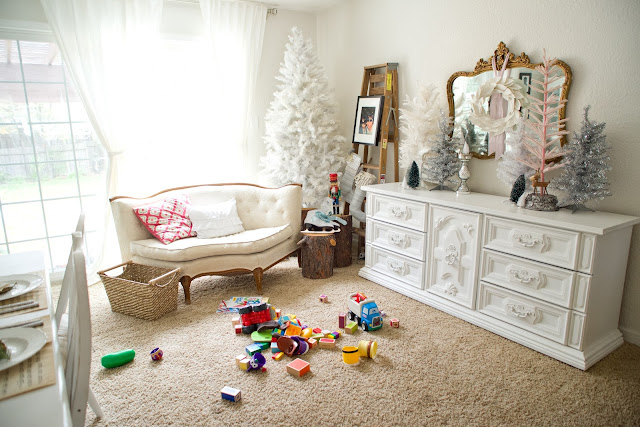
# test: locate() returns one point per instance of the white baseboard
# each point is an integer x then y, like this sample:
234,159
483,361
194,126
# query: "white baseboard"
631,336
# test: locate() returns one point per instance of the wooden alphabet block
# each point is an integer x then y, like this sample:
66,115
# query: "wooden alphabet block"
298,367
231,394
327,343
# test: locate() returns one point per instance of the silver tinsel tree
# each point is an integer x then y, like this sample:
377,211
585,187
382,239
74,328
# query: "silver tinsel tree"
586,165
442,160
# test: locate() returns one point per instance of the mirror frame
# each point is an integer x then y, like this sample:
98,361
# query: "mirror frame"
521,61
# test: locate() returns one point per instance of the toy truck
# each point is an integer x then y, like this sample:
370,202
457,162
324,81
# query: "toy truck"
364,311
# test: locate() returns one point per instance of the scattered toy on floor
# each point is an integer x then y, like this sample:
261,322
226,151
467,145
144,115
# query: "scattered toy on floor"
298,367
324,298
231,394
156,354
350,355
113,360
365,312
257,362
395,323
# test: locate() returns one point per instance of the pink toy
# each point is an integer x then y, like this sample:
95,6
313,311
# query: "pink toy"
324,298
395,323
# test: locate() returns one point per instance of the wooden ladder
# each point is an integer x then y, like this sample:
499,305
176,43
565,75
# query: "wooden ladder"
383,80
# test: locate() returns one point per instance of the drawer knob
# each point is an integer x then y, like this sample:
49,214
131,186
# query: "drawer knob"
396,266
527,240
397,239
399,211
520,311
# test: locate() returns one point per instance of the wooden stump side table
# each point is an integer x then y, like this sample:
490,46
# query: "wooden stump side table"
317,255
342,251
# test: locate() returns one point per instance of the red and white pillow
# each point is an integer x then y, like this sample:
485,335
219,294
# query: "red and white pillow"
167,219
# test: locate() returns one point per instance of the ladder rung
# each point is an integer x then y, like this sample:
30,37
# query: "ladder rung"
376,91
376,78
370,166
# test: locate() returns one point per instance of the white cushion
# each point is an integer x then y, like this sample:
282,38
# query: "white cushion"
216,220
244,243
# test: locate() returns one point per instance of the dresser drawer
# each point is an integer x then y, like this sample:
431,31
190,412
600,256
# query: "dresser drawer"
399,267
405,213
549,245
402,240
550,284
533,315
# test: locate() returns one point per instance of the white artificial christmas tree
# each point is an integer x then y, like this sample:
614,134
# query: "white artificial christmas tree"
419,124
301,138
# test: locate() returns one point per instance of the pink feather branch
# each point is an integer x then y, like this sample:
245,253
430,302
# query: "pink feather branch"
545,137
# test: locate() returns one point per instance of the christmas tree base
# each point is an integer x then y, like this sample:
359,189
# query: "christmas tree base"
441,187
575,208
541,202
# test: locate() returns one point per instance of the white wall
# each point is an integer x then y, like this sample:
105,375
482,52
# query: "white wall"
433,39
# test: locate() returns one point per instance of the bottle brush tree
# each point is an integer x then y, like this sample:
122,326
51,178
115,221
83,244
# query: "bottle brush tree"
301,132
584,176
442,161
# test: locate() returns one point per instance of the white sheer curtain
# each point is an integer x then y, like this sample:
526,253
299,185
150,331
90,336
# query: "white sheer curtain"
236,32
110,48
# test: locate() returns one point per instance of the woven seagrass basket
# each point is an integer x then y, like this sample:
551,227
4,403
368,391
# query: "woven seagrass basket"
142,291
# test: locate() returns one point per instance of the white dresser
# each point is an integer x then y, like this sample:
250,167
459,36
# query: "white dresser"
552,281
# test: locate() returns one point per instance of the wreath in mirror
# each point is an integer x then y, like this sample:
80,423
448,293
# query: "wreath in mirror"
511,90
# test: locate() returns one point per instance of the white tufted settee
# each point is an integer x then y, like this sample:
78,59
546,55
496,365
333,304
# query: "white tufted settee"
271,218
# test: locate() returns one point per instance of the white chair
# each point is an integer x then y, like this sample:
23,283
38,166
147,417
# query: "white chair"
74,330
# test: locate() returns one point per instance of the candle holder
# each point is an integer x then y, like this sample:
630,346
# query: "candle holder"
464,173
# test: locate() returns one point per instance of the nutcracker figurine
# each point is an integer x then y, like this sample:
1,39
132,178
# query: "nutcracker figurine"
334,192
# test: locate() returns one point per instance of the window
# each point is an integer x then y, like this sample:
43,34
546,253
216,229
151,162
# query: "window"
52,166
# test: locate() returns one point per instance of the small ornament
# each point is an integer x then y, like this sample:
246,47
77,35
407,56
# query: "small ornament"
413,176
156,354
518,189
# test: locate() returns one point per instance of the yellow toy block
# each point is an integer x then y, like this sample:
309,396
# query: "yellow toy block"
239,358
244,364
278,356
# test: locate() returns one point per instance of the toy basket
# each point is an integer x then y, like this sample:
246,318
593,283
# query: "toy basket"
141,290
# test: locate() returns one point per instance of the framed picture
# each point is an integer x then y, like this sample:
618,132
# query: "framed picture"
526,79
368,115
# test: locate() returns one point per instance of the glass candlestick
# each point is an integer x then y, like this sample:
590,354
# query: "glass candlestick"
464,173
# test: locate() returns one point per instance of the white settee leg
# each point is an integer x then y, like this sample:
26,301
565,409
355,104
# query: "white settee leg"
186,286
257,275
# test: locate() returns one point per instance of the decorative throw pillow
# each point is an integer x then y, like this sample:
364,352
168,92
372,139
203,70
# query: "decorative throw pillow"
167,219
217,220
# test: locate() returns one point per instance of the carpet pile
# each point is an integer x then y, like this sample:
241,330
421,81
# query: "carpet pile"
433,370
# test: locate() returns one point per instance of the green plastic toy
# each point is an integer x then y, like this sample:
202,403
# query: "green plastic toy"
114,360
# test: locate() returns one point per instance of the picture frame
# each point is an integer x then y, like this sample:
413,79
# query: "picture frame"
526,79
366,128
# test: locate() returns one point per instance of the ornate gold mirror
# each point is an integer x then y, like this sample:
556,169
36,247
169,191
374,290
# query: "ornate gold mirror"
462,86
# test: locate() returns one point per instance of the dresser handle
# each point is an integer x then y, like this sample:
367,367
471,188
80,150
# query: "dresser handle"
527,240
397,239
399,211
523,276
521,311
397,267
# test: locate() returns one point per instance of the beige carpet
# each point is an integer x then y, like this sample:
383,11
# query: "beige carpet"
434,370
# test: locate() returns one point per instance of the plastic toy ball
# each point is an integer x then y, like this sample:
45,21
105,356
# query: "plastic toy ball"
156,354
